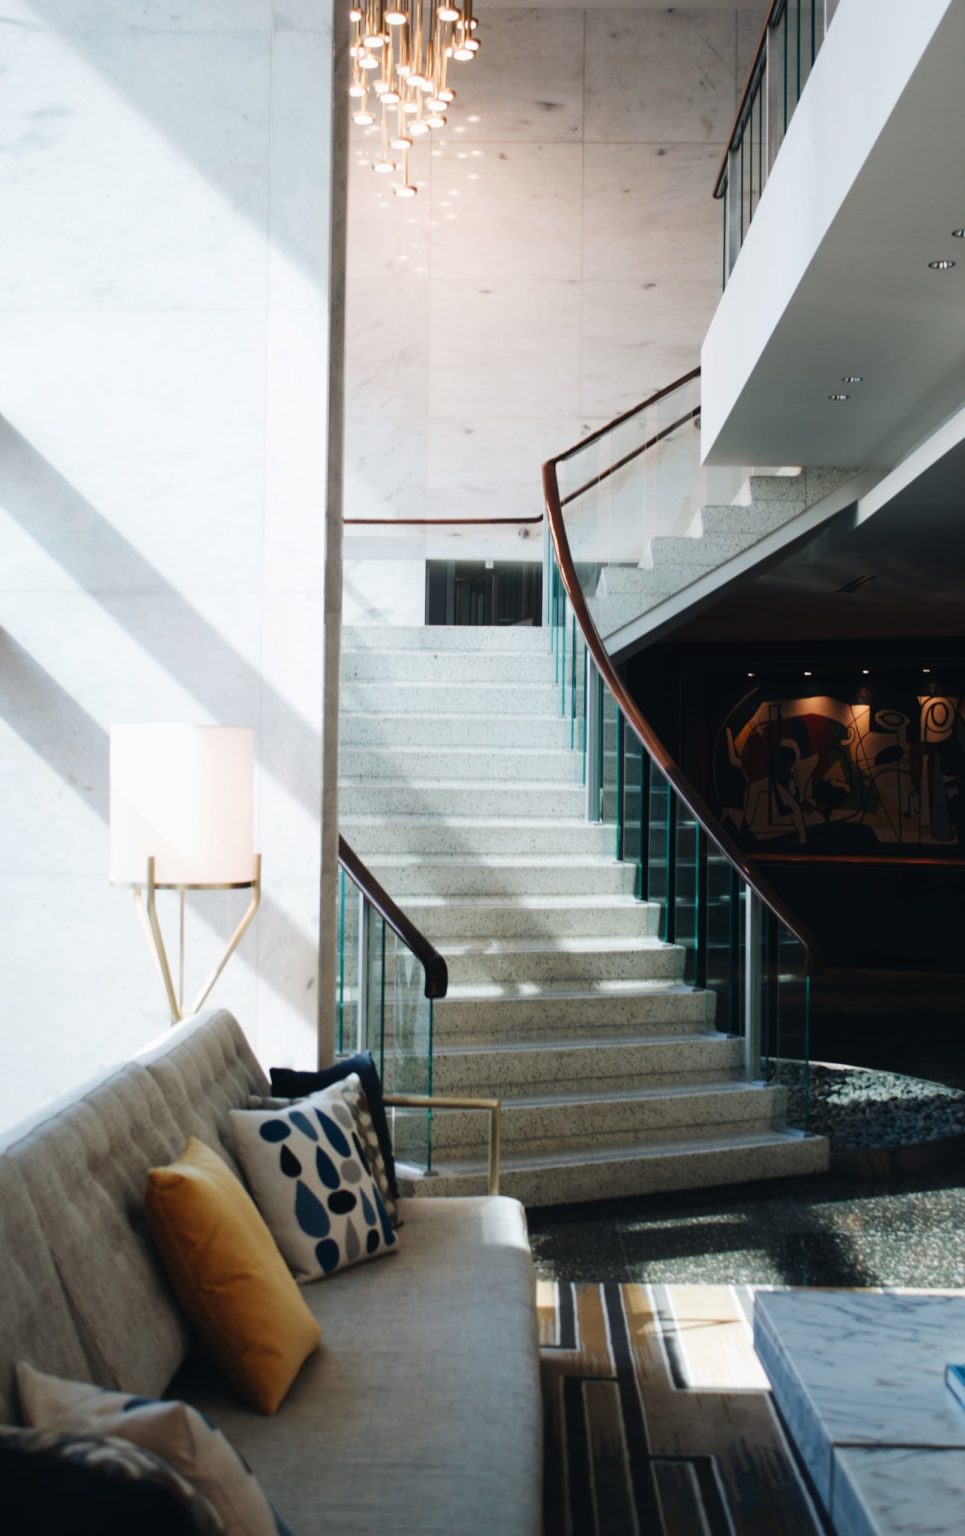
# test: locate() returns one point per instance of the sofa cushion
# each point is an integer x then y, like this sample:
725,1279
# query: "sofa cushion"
84,1168
307,1171
90,1485
35,1315
229,1275
421,1411
184,1439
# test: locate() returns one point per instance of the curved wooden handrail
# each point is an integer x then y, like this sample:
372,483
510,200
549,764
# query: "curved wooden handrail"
433,965
733,138
631,710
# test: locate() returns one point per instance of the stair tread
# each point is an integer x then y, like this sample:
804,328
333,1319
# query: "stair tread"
492,860
457,948
624,1151
539,1046
408,819
509,786
528,903
732,1087
529,991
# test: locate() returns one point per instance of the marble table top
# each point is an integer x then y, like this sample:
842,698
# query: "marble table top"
860,1381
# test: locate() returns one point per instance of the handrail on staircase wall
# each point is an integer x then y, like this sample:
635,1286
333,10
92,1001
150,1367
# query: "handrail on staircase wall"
433,522
434,967
640,726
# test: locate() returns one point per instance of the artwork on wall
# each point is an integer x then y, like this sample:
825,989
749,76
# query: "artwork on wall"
827,775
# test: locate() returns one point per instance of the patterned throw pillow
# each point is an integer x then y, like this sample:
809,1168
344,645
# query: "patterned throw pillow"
184,1438
308,1174
297,1085
77,1482
355,1098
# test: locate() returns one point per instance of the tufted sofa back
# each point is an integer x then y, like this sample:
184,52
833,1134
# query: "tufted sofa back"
81,1292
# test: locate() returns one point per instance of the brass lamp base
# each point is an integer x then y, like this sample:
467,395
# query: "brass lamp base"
145,901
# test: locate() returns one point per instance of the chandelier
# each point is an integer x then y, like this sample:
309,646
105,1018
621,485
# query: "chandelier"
400,61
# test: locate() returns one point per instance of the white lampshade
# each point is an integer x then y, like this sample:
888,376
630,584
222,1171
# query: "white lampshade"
184,795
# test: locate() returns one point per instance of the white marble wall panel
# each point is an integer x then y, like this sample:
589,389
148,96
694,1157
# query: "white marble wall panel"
159,481
287,976
178,134
461,458
379,591
507,350
295,450
637,337
649,214
145,15
507,211
163,377
289,738
526,82
658,77
300,172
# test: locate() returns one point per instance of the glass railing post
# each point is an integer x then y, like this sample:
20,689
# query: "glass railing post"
643,872
620,786
752,986
671,918
702,906
594,746
364,959
549,565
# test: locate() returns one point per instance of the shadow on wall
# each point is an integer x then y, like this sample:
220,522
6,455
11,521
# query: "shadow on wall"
56,727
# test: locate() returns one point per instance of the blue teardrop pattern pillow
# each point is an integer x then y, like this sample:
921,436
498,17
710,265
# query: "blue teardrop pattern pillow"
309,1176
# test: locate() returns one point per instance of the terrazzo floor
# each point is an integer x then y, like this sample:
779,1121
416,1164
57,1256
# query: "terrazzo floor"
819,1231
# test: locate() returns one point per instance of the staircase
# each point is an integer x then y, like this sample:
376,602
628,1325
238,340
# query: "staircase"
767,505
460,792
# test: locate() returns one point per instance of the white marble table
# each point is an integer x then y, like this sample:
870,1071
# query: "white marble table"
860,1382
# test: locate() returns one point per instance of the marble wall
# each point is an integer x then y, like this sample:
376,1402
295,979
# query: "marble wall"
561,262
163,355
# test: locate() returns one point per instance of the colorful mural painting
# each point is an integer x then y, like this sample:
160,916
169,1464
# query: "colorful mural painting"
823,774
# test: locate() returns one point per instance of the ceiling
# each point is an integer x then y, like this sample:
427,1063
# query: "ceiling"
868,303
913,547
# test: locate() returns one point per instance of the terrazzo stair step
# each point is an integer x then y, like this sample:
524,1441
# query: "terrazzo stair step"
420,666
443,918
650,1116
708,551
497,1012
431,732
429,760
753,520
507,638
564,960
572,1066
461,797
771,488
440,698
472,835
500,875
627,1168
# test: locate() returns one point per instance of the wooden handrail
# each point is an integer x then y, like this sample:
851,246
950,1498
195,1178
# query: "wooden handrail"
632,713
733,138
434,966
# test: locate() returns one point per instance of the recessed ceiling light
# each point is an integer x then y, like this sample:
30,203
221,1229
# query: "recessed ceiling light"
941,266
865,671
852,378
958,234
807,674
752,674
926,669
839,397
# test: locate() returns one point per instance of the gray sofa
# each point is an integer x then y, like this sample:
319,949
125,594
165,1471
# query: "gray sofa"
421,1410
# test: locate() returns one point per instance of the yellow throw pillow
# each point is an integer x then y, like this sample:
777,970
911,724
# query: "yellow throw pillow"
231,1280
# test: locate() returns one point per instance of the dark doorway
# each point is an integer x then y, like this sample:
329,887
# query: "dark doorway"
483,592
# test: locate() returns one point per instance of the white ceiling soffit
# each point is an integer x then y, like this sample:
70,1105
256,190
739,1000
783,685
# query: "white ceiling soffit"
867,302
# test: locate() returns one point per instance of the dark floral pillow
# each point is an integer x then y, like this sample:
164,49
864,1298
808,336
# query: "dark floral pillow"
77,1484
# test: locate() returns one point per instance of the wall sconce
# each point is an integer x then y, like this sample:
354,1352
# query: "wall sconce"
182,816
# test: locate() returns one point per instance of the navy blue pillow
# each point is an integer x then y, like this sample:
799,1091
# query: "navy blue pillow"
289,1084
85,1485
